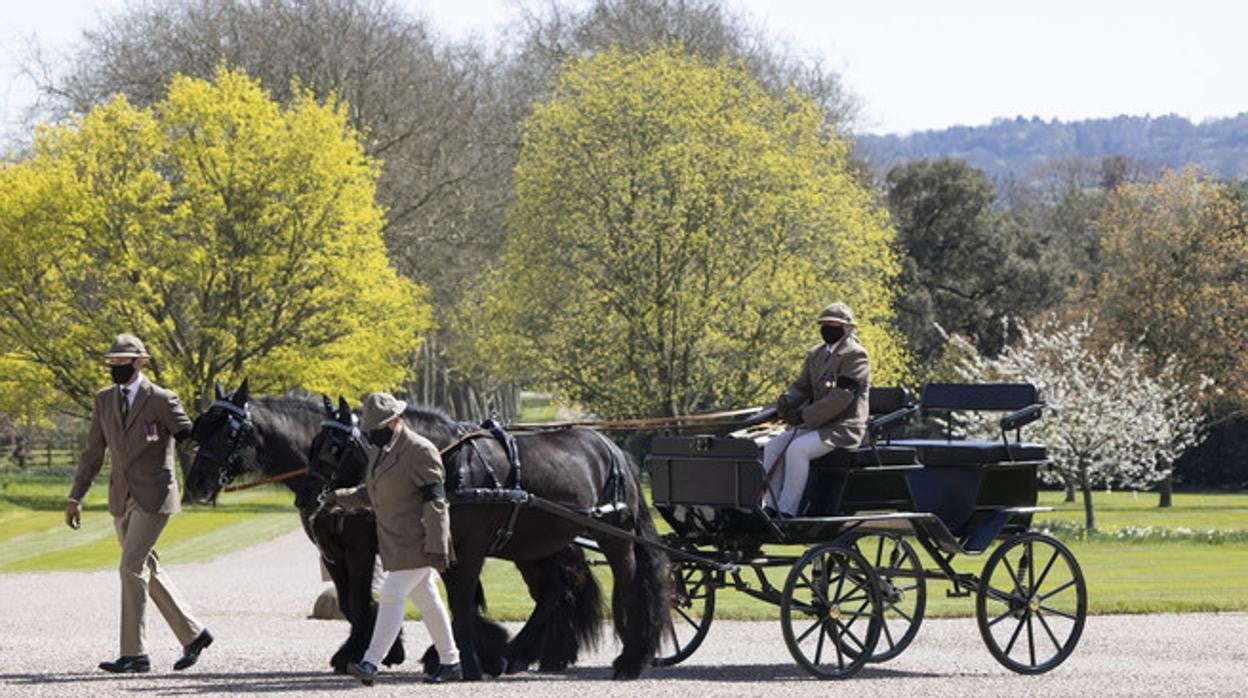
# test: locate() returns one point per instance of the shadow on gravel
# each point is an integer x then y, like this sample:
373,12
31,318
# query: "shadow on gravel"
735,673
288,681
206,682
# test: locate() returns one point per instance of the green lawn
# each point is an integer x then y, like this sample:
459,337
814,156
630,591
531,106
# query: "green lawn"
1197,511
33,535
1133,576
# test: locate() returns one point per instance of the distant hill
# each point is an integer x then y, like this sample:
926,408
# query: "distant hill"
1015,146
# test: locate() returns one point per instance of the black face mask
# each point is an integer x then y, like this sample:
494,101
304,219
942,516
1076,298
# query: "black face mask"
379,437
122,374
831,333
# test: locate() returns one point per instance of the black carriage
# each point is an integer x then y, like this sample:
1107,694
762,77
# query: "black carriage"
856,588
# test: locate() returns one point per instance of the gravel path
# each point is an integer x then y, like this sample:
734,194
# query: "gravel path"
57,626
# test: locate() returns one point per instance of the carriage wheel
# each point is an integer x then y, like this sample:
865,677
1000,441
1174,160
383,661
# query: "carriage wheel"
903,590
1031,603
693,609
830,613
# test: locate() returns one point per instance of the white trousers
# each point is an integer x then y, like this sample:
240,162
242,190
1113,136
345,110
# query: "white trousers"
800,446
419,585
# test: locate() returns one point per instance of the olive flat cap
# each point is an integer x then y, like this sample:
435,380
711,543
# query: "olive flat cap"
126,346
380,408
837,312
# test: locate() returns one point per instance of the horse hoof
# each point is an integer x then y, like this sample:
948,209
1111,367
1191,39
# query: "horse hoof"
515,666
625,671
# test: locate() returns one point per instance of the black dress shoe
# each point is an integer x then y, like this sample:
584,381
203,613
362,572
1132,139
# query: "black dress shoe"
364,671
138,664
446,673
190,654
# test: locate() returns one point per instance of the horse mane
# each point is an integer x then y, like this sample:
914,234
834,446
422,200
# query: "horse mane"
432,422
286,425
289,402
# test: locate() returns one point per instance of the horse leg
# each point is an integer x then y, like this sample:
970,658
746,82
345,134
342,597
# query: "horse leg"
526,646
624,608
638,598
576,620
342,585
463,581
363,610
567,616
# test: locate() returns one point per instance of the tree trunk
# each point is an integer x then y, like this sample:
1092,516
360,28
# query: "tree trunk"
1086,487
1166,489
1070,490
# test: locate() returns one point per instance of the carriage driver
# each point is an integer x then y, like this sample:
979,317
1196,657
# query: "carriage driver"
826,408
405,488
136,422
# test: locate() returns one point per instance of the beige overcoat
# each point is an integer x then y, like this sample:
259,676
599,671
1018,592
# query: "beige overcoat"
410,526
142,449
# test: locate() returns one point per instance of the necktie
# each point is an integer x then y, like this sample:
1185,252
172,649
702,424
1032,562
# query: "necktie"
125,404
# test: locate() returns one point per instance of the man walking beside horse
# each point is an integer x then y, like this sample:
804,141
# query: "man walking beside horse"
136,422
405,488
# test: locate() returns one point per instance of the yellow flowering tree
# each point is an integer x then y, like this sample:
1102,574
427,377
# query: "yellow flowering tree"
675,231
235,236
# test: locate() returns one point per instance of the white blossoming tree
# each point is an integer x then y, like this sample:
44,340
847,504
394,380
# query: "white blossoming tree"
1110,422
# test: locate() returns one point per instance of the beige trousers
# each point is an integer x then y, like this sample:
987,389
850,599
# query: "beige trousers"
141,576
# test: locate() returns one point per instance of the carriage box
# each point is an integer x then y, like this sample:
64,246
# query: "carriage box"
713,471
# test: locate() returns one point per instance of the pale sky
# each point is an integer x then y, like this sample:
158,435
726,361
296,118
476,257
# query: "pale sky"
912,64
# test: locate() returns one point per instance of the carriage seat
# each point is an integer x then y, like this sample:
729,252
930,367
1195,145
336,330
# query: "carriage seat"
882,403
967,452
1020,400
867,456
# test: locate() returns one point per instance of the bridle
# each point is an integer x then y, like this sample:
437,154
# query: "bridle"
239,425
350,435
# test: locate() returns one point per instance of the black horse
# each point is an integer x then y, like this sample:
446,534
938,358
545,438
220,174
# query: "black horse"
567,615
279,435
578,468
272,435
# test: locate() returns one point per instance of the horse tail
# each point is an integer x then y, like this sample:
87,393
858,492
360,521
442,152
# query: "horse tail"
652,583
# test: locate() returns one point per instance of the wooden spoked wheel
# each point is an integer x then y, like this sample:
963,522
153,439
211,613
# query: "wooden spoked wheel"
1031,603
693,609
831,612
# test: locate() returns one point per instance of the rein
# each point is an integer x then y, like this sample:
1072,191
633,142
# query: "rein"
681,422
303,471
267,480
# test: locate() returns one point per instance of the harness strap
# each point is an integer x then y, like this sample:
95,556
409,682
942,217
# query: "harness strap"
508,442
267,480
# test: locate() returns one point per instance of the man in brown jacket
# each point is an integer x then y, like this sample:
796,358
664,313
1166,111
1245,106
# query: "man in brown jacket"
136,422
826,407
404,486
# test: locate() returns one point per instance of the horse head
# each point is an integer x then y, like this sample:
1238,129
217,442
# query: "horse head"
338,457
226,436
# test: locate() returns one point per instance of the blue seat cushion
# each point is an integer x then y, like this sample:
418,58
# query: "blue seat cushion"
942,452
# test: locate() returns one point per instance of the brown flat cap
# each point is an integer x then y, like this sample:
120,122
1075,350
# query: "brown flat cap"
126,346
837,312
380,408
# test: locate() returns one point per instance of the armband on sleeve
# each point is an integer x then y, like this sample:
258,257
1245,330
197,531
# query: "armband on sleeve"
847,383
433,492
